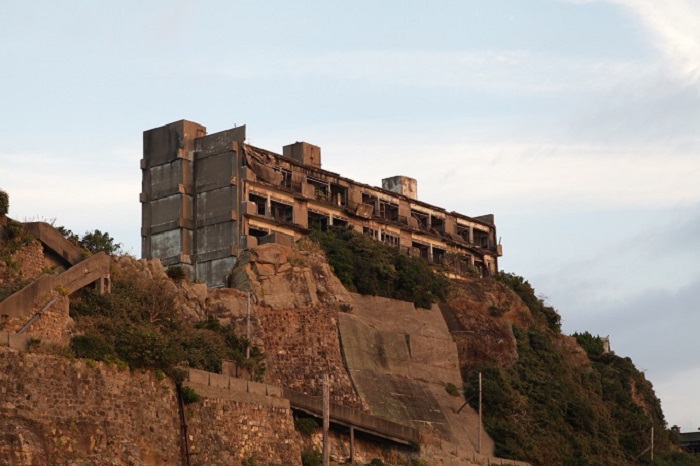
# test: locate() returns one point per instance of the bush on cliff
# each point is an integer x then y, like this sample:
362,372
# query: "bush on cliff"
139,324
370,267
549,408
4,203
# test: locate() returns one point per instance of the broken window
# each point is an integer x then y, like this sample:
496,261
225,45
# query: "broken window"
463,231
281,212
481,238
339,222
321,188
339,195
318,220
371,232
422,219
438,255
286,177
389,211
421,250
391,239
257,232
259,201
437,224
369,200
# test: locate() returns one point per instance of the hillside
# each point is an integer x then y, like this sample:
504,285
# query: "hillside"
403,356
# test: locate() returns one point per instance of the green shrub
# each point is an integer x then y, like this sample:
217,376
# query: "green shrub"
305,425
370,267
311,458
189,396
376,462
592,344
250,461
143,346
4,203
452,389
176,272
96,241
537,306
91,346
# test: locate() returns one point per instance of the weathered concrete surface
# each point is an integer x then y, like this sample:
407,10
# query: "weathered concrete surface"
391,347
55,243
22,303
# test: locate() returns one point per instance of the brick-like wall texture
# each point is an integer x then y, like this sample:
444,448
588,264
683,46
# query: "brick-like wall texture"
300,345
57,411
54,410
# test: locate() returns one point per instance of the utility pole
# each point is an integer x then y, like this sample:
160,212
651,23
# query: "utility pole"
247,330
652,444
326,420
478,448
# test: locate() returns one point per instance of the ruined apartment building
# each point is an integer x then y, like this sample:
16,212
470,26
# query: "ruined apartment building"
205,198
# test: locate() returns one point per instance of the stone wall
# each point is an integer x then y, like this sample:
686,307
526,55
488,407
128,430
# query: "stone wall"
23,265
55,410
247,426
59,411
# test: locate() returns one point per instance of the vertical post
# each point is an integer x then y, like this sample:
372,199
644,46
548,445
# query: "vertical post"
326,420
652,444
478,448
247,330
352,445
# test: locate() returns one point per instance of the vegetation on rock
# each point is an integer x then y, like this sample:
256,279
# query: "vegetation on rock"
550,407
370,267
138,323
4,203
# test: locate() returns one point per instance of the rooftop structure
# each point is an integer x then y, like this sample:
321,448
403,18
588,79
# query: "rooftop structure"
205,198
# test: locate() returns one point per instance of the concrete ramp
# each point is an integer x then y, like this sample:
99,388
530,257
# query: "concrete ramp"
400,359
54,243
91,270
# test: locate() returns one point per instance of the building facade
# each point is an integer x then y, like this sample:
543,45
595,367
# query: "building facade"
205,198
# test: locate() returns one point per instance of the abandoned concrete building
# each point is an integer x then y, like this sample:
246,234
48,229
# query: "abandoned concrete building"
205,198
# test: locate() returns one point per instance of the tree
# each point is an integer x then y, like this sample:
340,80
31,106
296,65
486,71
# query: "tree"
96,241
4,203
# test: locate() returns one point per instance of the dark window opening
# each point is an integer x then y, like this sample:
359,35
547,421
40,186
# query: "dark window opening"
339,195
438,255
463,232
318,221
257,232
390,239
320,189
481,238
437,224
371,232
422,219
369,200
286,177
389,211
282,212
259,201
420,250
339,222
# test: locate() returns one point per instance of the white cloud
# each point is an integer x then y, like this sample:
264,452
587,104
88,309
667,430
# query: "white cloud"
676,28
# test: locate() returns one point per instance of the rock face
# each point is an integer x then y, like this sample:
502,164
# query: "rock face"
486,309
297,302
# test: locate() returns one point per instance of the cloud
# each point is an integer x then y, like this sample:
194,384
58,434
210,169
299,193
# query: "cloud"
675,25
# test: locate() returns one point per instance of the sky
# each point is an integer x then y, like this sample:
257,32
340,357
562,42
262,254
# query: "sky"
574,122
